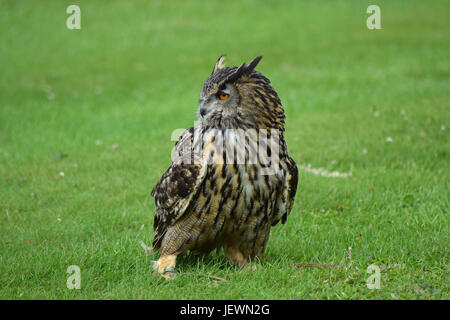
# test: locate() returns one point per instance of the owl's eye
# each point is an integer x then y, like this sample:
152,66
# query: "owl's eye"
222,95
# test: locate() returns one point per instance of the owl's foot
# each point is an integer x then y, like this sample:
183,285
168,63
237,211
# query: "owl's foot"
236,256
165,266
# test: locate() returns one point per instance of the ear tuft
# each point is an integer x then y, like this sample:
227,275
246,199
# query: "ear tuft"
252,64
245,68
220,64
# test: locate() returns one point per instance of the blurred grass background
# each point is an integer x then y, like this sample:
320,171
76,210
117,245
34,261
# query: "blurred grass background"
132,75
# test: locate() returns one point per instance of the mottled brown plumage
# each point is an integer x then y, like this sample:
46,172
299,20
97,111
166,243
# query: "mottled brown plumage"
210,198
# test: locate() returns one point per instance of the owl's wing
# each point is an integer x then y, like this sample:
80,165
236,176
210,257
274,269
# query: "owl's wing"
178,186
288,190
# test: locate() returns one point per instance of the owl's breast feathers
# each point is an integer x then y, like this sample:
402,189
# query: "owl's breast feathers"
220,193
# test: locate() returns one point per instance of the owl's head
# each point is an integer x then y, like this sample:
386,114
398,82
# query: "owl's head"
239,97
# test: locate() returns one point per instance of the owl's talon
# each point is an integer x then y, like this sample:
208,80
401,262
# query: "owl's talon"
169,273
170,269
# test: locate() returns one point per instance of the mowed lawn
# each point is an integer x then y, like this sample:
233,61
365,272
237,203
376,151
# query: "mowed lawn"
86,118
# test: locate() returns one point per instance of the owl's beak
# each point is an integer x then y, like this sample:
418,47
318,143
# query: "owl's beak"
202,109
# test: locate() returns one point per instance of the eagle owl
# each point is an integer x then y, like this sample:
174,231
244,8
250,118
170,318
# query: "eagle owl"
219,192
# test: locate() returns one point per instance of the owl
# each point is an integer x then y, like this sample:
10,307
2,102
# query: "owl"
231,177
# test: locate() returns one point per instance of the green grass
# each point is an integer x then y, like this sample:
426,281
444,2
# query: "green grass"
133,74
